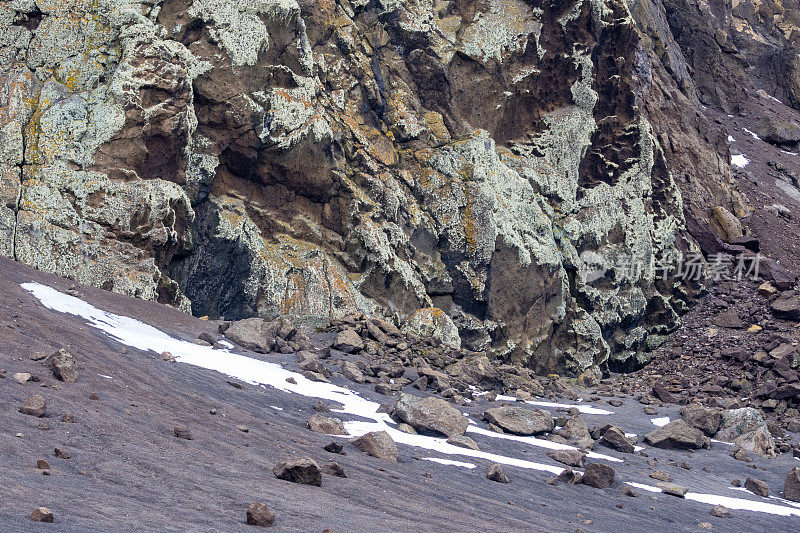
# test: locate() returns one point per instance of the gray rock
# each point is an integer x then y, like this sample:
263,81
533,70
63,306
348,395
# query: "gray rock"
575,429
569,476
182,433
327,425
720,511
672,489
703,418
758,487
615,439
574,458
258,514
299,470
34,406
377,444
351,371
598,475
791,487
495,473
787,306
462,441
63,365
334,469
520,420
777,131
737,422
430,415
348,341
250,334
677,435
758,441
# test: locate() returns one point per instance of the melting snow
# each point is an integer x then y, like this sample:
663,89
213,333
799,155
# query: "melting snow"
729,502
585,409
739,160
751,133
731,139
661,421
449,462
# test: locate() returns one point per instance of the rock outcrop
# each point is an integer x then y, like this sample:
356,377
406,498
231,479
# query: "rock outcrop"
489,174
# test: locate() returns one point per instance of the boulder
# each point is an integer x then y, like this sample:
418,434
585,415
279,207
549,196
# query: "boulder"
787,306
42,514
575,429
430,415
327,425
258,514
34,406
351,371
703,418
250,334
520,420
791,487
778,131
377,444
348,341
495,473
615,439
758,441
303,470
574,458
598,475
737,422
677,435
63,365
757,486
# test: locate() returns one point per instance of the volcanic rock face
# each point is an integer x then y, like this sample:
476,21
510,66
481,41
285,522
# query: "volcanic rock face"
450,165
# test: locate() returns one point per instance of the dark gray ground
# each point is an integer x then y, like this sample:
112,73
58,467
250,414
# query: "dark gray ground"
129,473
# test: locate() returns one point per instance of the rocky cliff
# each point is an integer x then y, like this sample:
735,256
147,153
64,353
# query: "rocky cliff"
447,165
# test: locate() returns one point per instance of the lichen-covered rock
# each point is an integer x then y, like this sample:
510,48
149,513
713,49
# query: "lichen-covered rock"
449,167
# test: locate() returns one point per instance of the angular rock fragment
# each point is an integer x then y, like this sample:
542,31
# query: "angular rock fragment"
299,470
495,473
258,514
377,444
520,420
677,435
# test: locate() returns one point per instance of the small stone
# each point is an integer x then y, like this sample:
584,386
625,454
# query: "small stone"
334,447
334,469
377,444
182,433
303,470
61,454
495,473
660,475
243,429
615,439
168,357
68,418
462,441
574,458
41,464
627,490
569,476
22,377
720,511
598,475
63,365
327,425
672,489
34,406
259,514
705,525
42,514
757,486
321,408
291,380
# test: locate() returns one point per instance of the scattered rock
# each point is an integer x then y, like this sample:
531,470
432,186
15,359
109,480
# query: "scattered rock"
430,415
34,406
615,439
569,476
720,511
259,514
182,433
677,435
787,306
348,341
737,422
250,334
672,489
377,444
519,420
462,441
700,417
791,487
627,490
495,473
303,470
351,371
758,441
42,514
757,486
60,453
334,469
22,377
42,464
323,424
598,475
63,365
574,458
660,475
334,447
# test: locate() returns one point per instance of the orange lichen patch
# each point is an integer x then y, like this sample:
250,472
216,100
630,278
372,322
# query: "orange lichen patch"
435,123
468,225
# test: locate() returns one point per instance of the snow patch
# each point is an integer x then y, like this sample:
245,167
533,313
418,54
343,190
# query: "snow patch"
661,421
739,160
450,462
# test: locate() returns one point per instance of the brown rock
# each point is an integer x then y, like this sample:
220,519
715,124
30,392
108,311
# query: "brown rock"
63,365
42,514
182,432
348,341
615,439
34,406
574,458
677,435
462,441
60,453
791,487
660,475
323,424
520,420
598,475
377,444
720,511
258,514
334,469
430,415
303,470
757,486
702,418
42,464
495,473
